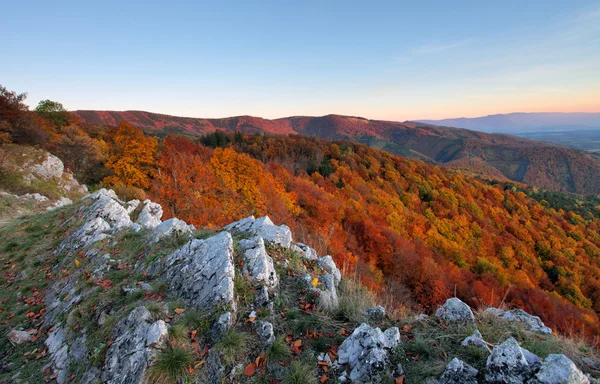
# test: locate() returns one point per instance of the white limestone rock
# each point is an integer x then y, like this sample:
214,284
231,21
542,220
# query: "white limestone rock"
127,357
367,352
258,264
265,333
476,340
149,217
172,227
459,372
51,168
328,298
305,251
507,364
157,335
531,322
327,263
559,369
455,310
202,272
17,337
263,227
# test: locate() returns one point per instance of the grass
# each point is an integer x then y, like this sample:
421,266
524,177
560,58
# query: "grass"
194,319
233,346
354,300
300,372
278,351
170,367
178,334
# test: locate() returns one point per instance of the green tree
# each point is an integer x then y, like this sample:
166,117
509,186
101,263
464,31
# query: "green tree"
53,111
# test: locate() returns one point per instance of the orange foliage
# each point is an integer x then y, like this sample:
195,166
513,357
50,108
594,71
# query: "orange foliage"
429,229
131,156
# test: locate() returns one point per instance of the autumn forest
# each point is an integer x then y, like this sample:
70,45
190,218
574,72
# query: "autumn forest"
415,233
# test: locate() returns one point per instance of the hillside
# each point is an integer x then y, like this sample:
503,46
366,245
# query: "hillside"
414,232
525,122
501,157
104,291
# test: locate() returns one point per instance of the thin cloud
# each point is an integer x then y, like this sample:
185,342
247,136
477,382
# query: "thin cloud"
438,47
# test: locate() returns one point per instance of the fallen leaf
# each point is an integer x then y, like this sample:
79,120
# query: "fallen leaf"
399,380
249,370
179,310
323,379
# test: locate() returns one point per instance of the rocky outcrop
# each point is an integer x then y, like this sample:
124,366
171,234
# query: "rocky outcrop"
258,264
149,217
134,338
508,364
459,372
263,227
367,353
530,322
454,310
202,272
51,168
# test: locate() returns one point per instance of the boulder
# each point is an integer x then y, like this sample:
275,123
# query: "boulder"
533,323
459,372
559,369
455,310
327,263
305,251
149,217
202,272
17,337
172,227
530,322
476,340
376,313
51,168
263,227
507,364
367,352
258,264
264,330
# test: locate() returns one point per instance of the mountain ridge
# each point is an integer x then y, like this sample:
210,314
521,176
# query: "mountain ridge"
497,156
522,122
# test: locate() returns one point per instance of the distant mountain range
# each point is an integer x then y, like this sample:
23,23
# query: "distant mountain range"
525,122
495,156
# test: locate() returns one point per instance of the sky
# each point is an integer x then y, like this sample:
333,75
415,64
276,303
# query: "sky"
392,60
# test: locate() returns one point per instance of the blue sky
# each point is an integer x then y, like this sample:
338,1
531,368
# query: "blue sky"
391,60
